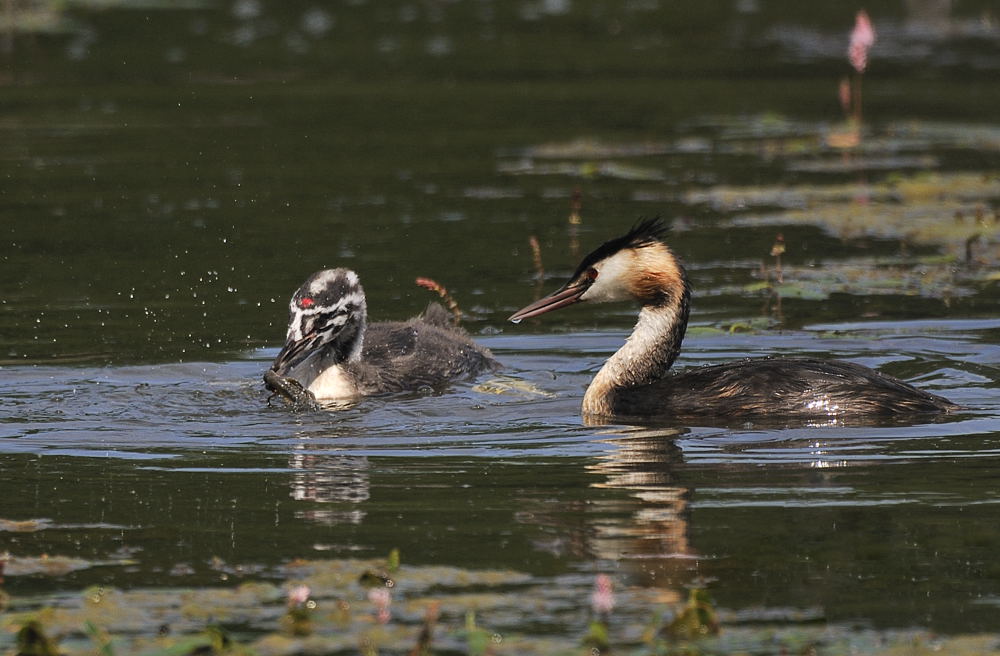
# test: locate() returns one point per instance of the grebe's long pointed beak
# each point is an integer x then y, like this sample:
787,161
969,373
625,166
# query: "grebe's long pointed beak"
567,295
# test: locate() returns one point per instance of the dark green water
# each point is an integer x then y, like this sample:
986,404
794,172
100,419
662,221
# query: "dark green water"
169,177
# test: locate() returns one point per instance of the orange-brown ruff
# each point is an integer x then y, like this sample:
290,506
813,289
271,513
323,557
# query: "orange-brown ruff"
636,382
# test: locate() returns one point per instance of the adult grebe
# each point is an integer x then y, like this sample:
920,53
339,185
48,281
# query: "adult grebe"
334,354
635,382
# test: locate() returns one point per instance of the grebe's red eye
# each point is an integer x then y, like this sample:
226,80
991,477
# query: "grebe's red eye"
306,302
592,274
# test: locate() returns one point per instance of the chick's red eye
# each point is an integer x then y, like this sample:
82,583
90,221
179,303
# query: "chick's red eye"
306,302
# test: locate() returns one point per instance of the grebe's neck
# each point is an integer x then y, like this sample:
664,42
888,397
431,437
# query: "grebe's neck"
646,355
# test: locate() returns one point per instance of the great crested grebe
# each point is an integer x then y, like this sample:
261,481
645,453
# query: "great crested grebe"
635,381
334,353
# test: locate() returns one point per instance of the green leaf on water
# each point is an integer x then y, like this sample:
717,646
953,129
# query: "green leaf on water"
597,636
477,639
393,563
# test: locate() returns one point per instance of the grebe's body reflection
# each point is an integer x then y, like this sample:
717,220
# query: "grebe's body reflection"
330,479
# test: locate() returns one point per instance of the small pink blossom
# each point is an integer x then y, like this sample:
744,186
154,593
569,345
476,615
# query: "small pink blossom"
298,596
862,39
381,598
602,599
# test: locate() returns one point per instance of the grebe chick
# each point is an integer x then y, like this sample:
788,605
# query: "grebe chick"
334,353
635,382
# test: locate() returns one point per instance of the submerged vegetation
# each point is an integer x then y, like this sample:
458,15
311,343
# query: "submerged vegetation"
945,224
383,607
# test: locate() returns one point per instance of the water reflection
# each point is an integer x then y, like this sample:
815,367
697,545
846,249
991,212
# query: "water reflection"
649,535
644,463
330,479
644,533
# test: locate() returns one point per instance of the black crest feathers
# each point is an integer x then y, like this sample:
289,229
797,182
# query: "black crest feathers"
645,231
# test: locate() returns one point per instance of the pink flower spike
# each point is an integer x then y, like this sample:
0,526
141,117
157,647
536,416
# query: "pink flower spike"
862,39
298,595
380,598
602,599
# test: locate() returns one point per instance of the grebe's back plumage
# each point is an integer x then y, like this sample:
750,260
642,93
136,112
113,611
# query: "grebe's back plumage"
635,382
778,387
333,352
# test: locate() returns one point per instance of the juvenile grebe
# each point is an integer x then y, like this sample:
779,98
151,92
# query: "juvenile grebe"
635,382
334,354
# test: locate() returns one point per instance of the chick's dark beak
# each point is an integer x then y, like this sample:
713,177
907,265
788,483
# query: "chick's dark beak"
292,353
566,295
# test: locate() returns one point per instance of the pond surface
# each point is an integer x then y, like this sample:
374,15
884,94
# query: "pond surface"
170,176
